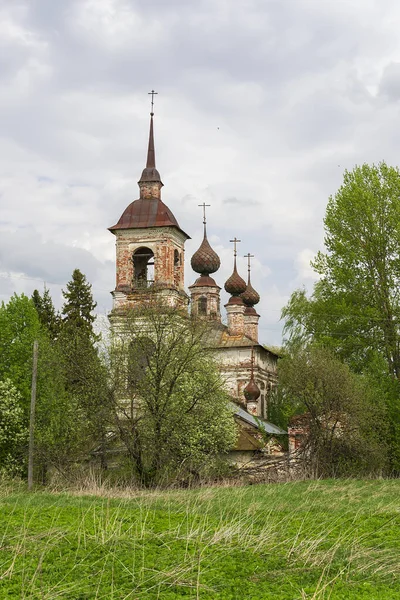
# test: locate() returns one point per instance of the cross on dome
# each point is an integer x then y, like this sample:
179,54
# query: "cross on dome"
235,241
152,94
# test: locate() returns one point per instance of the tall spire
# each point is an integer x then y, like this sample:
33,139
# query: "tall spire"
151,155
150,173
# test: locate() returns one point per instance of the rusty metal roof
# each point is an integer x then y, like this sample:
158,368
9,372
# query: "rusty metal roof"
204,281
144,213
258,422
218,337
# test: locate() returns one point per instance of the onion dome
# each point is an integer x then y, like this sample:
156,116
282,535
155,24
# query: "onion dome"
250,297
251,391
235,285
205,260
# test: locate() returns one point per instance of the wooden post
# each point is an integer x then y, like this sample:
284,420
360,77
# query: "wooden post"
32,415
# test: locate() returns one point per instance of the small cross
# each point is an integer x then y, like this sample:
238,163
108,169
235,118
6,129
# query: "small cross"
249,257
235,241
152,94
204,205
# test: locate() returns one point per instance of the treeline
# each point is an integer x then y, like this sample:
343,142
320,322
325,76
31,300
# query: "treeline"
71,392
147,408
341,367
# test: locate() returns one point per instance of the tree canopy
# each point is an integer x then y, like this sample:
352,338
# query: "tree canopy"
170,405
345,424
355,307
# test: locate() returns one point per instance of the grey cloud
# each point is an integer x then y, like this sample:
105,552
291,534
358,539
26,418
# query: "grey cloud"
287,83
390,82
243,202
26,252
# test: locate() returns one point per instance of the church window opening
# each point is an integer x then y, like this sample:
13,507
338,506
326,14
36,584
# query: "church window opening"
202,306
176,258
143,267
140,354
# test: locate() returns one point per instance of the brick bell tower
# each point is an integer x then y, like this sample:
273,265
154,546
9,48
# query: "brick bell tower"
149,247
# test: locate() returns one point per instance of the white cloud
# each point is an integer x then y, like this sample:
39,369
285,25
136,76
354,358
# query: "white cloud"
261,107
114,23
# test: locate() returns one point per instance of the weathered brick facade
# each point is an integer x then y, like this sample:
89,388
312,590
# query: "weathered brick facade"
235,365
250,324
205,299
235,315
167,246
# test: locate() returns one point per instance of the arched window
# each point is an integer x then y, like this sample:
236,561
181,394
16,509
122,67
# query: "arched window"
143,267
202,306
140,352
176,258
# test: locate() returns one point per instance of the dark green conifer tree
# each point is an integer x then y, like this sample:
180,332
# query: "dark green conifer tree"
48,316
77,311
85,374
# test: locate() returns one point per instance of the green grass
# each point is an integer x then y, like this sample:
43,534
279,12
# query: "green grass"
326,539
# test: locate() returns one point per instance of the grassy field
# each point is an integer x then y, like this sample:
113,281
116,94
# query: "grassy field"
326,539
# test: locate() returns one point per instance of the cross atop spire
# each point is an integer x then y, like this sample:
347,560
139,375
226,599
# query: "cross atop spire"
204,205
249,257
152,94
235,241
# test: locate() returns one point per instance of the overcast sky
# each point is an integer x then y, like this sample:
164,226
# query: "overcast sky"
261,106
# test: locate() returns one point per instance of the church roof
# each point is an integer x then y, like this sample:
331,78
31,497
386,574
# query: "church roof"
144,213
258,422
219,337
148,211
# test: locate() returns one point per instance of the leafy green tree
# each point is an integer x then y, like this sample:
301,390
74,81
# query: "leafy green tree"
355,307
345,414
48,316
13,429
170,407
19,327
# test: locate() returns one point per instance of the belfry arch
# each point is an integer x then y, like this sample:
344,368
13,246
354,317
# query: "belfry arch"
143,268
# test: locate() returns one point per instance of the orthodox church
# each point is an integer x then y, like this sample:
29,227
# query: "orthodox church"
150,258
